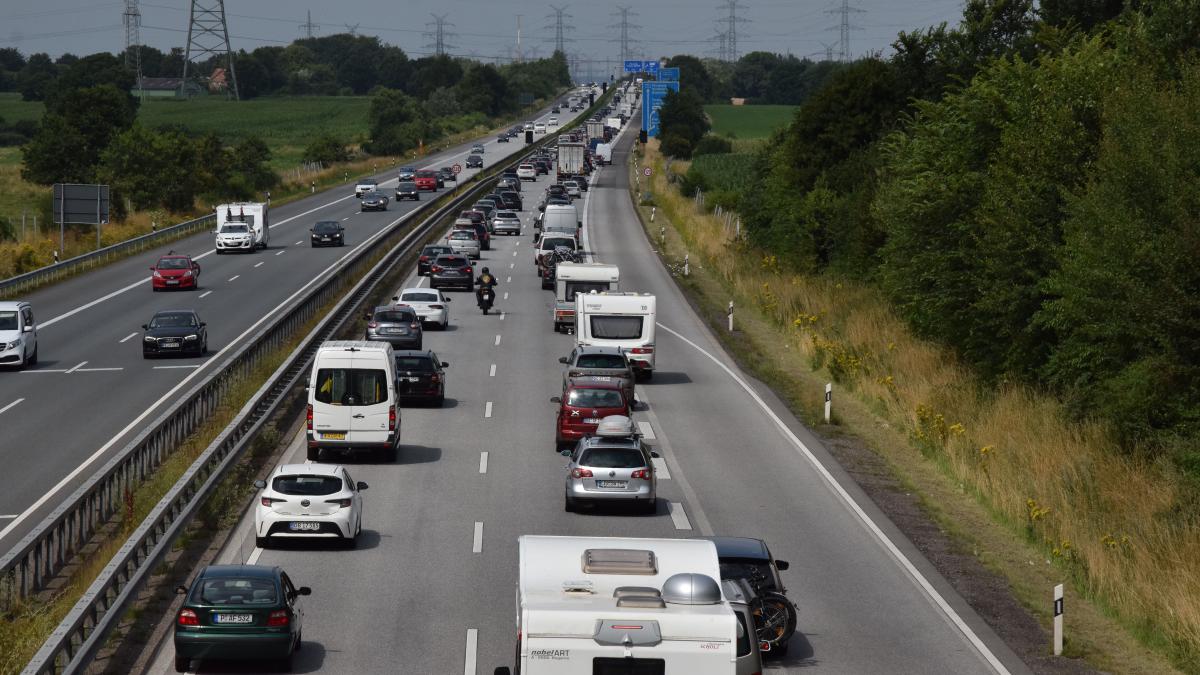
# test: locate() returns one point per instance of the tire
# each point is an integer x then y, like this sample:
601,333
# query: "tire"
650,507
350,543
440,401
314,454
204,347
33,359
182,664
569,504
262,542
299,641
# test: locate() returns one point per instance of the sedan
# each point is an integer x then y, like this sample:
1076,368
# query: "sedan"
407,173
464,242
375,201
572,188
452,270
474,162
428,255
539,128
328,233
477,149
430,305
250,612
175,271
421,376
502,138
174,331
586,401
542,166
446,173
610,470
506,222
398,326
308,501
597,361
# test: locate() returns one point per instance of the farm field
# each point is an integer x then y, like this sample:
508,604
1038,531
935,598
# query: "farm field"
748,121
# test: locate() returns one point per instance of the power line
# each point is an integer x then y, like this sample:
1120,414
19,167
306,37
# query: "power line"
309,28
438,35
844,27
624,12
208,35
731,22
560,28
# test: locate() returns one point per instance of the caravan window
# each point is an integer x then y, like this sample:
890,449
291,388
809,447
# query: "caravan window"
351,386
610,666
616,327
574,287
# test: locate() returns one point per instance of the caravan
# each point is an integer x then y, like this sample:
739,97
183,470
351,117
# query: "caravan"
242,227
614,606
625,320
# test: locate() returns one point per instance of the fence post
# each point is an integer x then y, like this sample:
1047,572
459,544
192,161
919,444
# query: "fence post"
730,316
1058,620
828,400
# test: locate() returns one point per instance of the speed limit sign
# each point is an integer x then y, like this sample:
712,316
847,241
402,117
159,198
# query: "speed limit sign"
646,171
457,168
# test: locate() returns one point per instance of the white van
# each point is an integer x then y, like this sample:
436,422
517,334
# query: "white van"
613,606
352,404
571,279
243,226
18,334
624,320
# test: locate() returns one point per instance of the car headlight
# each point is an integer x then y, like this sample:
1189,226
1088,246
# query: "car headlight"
13,345
149,339
192,337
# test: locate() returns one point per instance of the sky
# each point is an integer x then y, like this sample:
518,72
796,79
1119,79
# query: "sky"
488,28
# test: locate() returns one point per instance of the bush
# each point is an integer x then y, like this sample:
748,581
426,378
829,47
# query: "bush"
712,145
677,146
11,139
326,149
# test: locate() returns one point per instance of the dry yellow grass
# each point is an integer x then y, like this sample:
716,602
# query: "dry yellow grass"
1111,523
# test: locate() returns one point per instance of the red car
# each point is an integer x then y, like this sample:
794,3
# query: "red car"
426,180
585,402
175,270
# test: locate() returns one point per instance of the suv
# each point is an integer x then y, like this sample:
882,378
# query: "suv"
407,190
452,270
407,173
399,326
612,466
428,255
18,334
420,376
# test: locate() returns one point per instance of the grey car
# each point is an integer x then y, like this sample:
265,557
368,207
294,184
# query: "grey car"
594,361
610,470
375,201
452,270
506,222
399,326
464,242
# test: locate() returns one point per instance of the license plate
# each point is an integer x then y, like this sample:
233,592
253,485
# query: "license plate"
170,344
591,420
334,435
171,282
610,483
394,331
233,618
305,527
412,379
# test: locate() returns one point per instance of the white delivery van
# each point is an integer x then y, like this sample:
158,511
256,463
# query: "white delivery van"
614,606
604,153
243,226
561,217
623,320
571,279
352,405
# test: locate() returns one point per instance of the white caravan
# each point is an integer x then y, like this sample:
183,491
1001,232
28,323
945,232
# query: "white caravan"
243,226
624,320
571,279
612,606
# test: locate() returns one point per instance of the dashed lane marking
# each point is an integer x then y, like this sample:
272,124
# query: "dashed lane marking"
205,294
234,277
497,340
8,407
492,371
259,264
77,367
477,540
647,430
483,457
127,338
282,252
660,468
678,516
472,650
487,409
505,295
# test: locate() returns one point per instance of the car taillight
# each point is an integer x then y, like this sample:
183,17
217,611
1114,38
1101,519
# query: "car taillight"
581,473
435,378
644,474
415,325
424,258
391,418
372,324
188,617
437,307
344,503
435,268
642,350
279,617
467,270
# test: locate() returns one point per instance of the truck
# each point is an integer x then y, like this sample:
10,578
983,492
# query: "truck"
613,123
618,605
572,279
619,319
242,226
570,158
604,153
595,128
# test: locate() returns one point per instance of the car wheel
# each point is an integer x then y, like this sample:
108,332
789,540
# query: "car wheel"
33,359
440,401
314,454
569,504
262,542
650,507
182,664
299,641
350,543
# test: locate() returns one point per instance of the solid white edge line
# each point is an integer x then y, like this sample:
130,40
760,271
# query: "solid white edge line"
487,409
127,338
9,407
177,367
678,516
77,367
477,538
483,460
471,653
858,511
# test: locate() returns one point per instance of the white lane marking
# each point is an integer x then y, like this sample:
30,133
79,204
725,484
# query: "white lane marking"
487,409
9,407
678,516
46,370
282,252
254,556
175,367
471,652
347,218
508,280
299,243
518,243
420,282
234,277
901,559
514,254
511,265
77,366
647,430
7,517
205,294
505,295
97,370
501,316
477,538
497,340
483,457
660,468
492,371
259,264
127,338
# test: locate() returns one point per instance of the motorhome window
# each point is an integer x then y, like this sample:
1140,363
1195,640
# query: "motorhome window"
616,327
610,666
612,458
595,398
600,361
307,485
574,287
351,386
8,320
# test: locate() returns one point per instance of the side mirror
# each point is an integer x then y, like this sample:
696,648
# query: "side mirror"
447,299
304,590
145,326
203,324
655,455
564,360
260,484
27,329
556,399
395,298
565,453
361,485
782,565
445,364
181,590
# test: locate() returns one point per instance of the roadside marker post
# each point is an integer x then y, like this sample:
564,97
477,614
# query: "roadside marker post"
730,316
828,400
653,209
686,265
1058,619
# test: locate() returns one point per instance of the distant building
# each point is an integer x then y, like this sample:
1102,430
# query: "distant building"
164,87
737,101
218,82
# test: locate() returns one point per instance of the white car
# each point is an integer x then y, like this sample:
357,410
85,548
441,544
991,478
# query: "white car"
526,172
539,128
431,305
314,501
364,186
572,188
553,122
18,334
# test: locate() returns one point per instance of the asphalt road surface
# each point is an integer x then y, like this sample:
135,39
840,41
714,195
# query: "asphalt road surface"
92,391
437,560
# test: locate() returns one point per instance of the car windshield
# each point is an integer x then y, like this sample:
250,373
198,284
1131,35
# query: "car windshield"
173,320
506,215
612,458
452,262
406,186
419,297
325,227
414,364
228,591
395,316
351,386
600,361
595,398
8,320
235,228
616,327
307,485
173,263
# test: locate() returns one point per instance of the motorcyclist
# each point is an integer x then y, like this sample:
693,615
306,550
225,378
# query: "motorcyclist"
485,282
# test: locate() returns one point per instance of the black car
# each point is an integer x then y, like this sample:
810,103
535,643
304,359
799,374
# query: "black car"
541,166
474,162
506,183
512,200
407,190
555,110
446,173
452,270
328,233
420,376
428,255
375,201
502,138
174,331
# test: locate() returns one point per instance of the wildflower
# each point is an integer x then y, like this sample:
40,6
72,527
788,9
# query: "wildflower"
986,450
958,429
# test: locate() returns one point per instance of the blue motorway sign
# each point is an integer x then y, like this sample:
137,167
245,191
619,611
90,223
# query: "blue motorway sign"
633,66
653,94
668,74
648,67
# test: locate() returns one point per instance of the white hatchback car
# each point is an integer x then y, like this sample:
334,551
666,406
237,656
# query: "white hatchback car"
308,501
526,172
539,128
431,305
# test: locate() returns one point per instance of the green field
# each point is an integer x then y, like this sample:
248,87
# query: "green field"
748,121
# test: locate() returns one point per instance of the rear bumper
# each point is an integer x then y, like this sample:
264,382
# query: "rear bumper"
393,440
250,646
643,493
396,340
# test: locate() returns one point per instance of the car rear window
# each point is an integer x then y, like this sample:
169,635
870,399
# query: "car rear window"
616,327
451,262
600,361
419,297
508,215
414,363
173,264
462,234
351,386
233,591
307,485
595,398
396,315
612,458
434,250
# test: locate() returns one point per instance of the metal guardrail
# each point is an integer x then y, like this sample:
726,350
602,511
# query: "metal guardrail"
45,550
65,268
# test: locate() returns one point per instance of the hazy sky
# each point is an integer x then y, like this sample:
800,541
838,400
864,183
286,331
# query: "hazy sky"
486,28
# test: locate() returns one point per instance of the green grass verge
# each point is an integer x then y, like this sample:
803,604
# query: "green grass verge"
749,121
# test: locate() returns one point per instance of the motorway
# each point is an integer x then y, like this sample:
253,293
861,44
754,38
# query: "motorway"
430,587
92,391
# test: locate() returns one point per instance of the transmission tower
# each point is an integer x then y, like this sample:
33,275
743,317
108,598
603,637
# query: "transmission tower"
208,36
731,21
721,38
352,29
309,28
132,17
560,28
624,40
438,35
844,10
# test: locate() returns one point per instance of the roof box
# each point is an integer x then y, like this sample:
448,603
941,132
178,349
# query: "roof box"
615,426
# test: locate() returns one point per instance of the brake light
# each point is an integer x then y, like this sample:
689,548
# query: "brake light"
644,474
188,617
435,378
581,473
424,258
436,268
391,418
467,270
372,324
642,350
268,501
437,307
279,617
344,503
309,417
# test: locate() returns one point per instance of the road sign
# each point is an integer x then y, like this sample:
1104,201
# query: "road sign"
633,66
650,67
457,169
82,204
646,172
653,94
668,74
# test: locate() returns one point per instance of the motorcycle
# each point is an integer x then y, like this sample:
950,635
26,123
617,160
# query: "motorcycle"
486,297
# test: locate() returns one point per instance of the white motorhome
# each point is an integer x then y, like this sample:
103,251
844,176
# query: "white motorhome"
612,606
244,226
571,279
352,401
625,320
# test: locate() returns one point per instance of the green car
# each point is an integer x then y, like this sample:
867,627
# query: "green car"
239,612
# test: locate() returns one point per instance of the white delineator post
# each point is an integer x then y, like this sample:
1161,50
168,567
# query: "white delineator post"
686,266
653,209
1058,619
828,400
730,316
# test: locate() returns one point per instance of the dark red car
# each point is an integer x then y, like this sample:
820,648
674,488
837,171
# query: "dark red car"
173,271
426,180
586,401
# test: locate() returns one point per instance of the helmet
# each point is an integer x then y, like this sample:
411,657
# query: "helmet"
486,271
